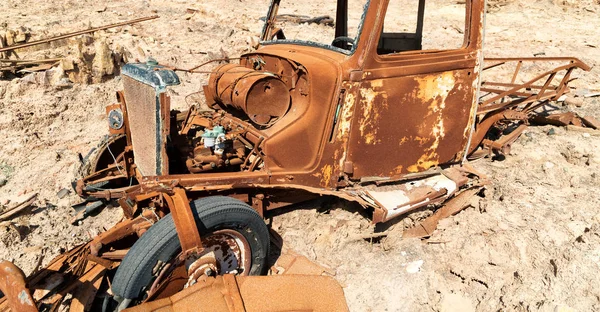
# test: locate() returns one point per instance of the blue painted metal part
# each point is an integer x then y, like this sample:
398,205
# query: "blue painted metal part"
151,74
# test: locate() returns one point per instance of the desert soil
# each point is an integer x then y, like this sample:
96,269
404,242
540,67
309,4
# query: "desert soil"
531,243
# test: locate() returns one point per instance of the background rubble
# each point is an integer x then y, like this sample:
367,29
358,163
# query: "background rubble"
532,243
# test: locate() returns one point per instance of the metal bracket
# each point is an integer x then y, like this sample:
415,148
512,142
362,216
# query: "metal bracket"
185,223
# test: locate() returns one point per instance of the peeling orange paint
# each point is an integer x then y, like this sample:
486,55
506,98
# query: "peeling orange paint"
433,89
370,111
434,86
326,172
421,140
425,162
346,116
402,141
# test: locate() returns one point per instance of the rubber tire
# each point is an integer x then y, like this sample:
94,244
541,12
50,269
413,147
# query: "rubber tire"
160,242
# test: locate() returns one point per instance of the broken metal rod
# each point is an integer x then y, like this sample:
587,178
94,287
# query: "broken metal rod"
27,62
11,65
73,34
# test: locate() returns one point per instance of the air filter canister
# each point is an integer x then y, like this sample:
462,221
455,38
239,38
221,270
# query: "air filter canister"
261,95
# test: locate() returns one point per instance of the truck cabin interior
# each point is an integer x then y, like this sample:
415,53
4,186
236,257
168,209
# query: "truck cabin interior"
394,42
406,28
342,36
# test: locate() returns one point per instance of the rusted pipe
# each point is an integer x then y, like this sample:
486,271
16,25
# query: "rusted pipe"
12,285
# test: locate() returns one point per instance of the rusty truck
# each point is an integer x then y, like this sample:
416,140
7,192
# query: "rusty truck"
374,115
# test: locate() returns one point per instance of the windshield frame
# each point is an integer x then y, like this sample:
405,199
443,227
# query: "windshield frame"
269,23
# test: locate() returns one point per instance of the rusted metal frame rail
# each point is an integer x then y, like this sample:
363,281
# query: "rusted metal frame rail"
503,60
503,145
522,98
185,223
546,91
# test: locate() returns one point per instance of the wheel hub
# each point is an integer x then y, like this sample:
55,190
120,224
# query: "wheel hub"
225,252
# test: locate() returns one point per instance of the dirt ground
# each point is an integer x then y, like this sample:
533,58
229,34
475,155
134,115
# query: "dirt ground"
532,243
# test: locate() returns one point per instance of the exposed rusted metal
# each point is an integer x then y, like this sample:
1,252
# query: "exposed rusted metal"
533,92
185,223
248,293
389,129
296,284
261,95
12,285
453,206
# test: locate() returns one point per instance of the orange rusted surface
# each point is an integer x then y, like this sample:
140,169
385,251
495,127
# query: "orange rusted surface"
375,119
255,293
12,285
187,231
296,117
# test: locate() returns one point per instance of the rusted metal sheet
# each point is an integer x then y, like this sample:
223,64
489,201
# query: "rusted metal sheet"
248,293
453,206
394,199
409,124
291,263
12,285
591,122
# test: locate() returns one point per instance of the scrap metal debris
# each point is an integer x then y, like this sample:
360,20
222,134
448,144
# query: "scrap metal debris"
13,285
85,209
77,33
451,207
16,209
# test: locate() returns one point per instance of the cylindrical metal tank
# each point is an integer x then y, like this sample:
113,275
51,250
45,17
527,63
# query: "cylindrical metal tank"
261,95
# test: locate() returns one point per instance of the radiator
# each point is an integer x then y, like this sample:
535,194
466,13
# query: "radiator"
148,108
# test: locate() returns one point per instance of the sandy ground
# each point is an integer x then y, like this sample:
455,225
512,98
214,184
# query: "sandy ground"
532,243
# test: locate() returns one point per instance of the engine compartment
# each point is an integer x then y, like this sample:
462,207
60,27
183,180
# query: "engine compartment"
215,141
246,105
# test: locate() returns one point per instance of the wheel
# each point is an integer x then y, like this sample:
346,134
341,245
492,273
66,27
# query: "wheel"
100,158
235,240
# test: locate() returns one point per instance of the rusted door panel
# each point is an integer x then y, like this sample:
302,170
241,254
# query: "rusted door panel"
411,123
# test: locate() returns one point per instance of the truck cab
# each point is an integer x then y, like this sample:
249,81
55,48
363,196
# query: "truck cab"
380,104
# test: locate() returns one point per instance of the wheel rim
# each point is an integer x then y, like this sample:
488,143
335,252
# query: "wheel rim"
225,252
